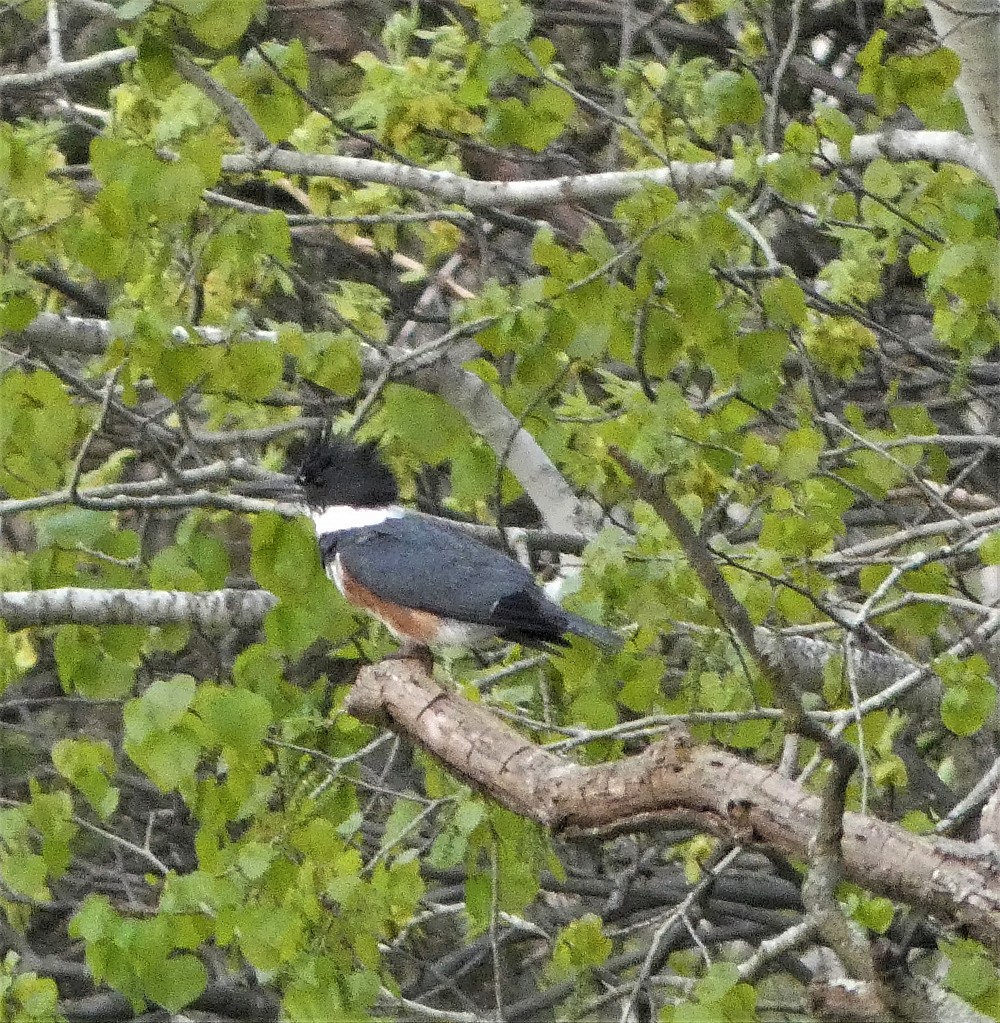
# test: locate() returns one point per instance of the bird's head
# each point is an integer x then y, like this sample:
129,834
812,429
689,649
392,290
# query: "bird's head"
337,470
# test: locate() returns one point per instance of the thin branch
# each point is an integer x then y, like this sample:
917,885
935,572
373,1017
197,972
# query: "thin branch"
774,100
729,609
561,509
67,70
236,113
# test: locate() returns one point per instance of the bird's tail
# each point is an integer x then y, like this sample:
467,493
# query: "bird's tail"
598,634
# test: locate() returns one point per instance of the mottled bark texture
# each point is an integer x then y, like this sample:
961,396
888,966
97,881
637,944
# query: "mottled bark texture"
676,782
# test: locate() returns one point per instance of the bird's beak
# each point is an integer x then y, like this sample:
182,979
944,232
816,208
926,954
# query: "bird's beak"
279,487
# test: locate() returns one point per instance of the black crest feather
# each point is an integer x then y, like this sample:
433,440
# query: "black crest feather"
334,469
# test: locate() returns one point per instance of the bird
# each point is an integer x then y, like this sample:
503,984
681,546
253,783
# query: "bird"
429,583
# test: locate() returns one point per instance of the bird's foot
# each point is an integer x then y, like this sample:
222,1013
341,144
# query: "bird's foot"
414,652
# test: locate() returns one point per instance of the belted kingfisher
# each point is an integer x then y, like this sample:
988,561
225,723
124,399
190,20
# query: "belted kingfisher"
430,584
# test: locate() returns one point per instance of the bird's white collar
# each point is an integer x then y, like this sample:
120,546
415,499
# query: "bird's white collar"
338,518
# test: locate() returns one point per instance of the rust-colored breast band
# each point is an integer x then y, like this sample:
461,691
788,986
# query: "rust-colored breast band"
405,622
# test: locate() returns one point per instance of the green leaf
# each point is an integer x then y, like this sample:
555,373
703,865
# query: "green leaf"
473,474
16,312
870,911
176,982
785,302
333,361
254,368
734,98
969,695
580,946
210,558
425,423
159,735
49,814
989,549
839,343
269,935
220,23
206,155
26,874
169,759
73,526
38,997
404,813
970,972
88,765
178,191
235,718
800,451
171,569
836,126
87,667
37,430
882,179
720,979
160,708
183,365
514,26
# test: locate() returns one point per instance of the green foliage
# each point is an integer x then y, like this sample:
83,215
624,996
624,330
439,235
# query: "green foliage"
734,98
35,842
969,694
24,996
972,975
37,430
143,959
921,82
272,98
874,913
425,423
581,946
284,560
99,663
839,343
89,766
718,995
161,735
792,336
219,23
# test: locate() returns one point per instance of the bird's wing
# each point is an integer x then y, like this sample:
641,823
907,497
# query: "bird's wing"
419,564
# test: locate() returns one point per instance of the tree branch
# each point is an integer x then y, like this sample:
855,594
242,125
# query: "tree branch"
561,510
23,609
972,29
673,782
68,69
684,177
67,605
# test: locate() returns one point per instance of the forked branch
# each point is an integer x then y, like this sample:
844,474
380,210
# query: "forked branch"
672,782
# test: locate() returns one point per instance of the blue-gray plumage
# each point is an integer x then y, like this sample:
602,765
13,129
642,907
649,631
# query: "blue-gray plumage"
429,583
414,563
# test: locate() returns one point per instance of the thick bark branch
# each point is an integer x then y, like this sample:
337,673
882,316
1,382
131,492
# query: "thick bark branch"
686,178
68,605
675,782
972,29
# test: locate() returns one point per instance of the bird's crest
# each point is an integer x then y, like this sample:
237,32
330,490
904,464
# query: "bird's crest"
333,469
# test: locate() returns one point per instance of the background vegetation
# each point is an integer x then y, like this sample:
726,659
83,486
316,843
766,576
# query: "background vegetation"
699,302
